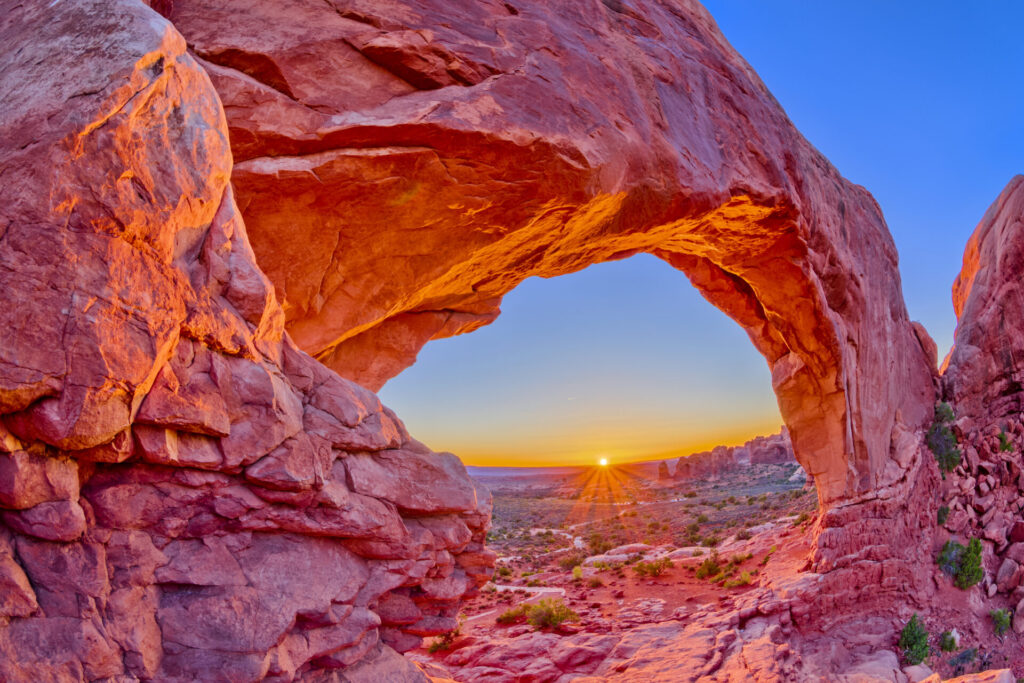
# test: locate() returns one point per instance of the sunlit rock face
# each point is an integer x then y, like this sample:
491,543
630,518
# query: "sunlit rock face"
182,490
408,164
982,380
984,373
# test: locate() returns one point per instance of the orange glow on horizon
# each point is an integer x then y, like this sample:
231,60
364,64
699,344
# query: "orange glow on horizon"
622,448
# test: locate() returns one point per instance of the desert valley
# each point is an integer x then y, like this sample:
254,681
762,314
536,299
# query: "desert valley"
225,226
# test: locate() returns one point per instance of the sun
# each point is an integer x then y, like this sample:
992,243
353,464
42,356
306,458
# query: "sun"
603,462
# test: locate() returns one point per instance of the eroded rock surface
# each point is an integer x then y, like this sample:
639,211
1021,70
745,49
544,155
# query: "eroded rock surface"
984,373
412,162
183,491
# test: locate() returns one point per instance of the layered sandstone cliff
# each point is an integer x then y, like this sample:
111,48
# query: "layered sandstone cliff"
182,490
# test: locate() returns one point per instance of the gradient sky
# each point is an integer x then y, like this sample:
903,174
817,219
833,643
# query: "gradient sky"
920,102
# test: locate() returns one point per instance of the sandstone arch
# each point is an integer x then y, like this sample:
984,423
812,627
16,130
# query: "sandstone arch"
398,198
161,434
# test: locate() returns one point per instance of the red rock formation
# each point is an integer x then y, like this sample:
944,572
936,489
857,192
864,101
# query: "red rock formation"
182,490
984,372
416,161
761,450
982,380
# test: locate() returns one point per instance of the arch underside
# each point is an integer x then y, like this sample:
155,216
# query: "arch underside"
397,198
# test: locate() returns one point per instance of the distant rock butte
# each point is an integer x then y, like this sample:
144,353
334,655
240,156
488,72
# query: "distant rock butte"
185,491
762,450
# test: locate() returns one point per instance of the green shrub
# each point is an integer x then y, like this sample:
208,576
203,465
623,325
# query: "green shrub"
503,571
942,515
1000,621
598,545
570,561
743,535
947,643
513,615
653,568
942,441
709,567
702,518
963,564
577,573
801,519
1004,442
445,640
595,582
970,571
959,663
767,556
914,641
550,613
949,557
743,579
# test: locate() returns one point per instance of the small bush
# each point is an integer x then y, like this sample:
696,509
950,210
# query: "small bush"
514,615
743,579
801,519
702,518
1004,442
709,567
947,643
595,582
653,568
1000,621
970,571
743,535
711,541
445,640
503,571
914,641
942,443
570,561
577,573
767,556
598,545
549,613
944,413
942,515
959,663
963,564
949,557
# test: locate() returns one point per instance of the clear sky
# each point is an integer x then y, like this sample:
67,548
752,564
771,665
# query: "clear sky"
920,102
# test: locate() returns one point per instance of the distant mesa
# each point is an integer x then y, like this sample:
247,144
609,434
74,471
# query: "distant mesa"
776,449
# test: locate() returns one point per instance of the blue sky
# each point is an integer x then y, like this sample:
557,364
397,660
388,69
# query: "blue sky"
919,102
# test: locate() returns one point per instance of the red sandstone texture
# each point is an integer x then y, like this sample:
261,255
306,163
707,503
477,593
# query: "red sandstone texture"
412,162
185,494
982,381
984,373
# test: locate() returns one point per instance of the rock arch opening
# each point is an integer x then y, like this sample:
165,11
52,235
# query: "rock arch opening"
622,360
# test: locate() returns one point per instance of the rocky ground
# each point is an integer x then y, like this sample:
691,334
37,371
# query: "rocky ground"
685,622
